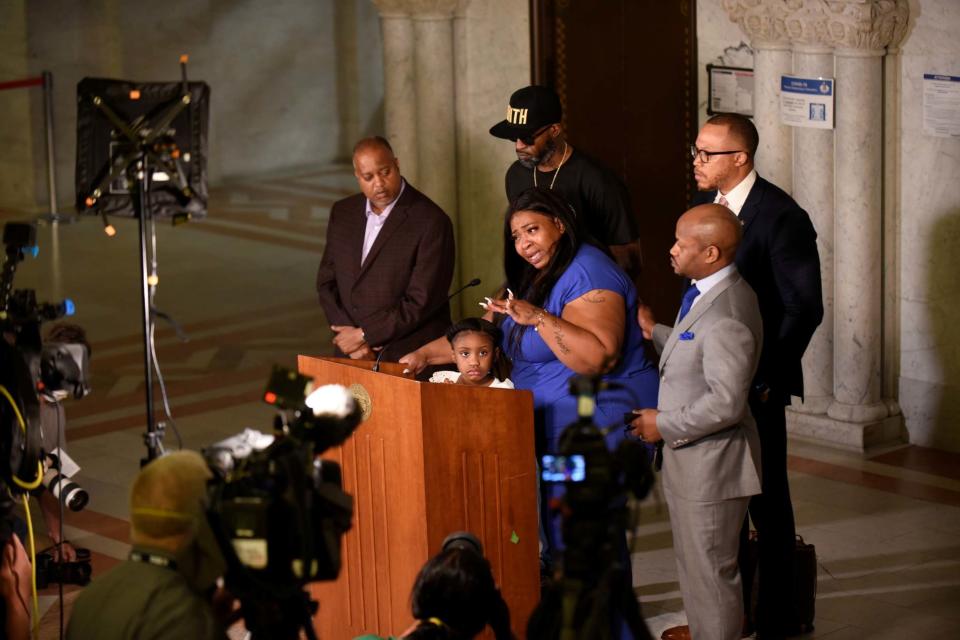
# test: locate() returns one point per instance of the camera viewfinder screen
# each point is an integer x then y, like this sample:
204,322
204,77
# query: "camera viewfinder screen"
564,468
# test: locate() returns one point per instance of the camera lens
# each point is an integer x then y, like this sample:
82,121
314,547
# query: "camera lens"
73,496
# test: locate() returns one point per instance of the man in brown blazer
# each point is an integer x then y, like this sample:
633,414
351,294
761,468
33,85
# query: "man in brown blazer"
387,264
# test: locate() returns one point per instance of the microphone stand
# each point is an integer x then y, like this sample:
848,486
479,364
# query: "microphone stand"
425,317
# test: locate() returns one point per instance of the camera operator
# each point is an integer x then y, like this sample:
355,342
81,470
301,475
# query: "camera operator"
455,597
165,589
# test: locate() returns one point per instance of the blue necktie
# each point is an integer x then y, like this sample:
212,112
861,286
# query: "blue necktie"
688,297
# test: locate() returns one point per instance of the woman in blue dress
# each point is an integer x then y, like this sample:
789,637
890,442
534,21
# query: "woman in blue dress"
566,309
569,310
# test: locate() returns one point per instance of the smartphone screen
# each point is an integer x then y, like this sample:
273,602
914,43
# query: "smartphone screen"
563,468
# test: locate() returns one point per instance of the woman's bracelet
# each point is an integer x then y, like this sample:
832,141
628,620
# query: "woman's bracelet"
541,314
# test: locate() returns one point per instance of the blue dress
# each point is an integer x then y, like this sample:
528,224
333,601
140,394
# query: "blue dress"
535,367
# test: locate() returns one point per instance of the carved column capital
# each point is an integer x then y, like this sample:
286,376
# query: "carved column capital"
870,26
867,25
424,9
763,21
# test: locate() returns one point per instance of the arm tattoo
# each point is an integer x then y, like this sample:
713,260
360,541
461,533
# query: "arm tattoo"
558,335
594,297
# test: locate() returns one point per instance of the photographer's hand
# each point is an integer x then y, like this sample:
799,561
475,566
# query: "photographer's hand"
50,510
15,588
63,552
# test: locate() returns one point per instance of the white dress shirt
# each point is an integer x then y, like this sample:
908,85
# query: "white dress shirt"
738,195
375,222
705,284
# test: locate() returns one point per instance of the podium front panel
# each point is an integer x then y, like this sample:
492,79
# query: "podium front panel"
430,459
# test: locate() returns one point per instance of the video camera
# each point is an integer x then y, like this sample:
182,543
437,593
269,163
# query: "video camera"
20,356
29,369
279,511
592,587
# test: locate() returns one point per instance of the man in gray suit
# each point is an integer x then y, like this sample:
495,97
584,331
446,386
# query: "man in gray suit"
711,457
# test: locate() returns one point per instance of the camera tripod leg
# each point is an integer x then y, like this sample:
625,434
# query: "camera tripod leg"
279,619
611,610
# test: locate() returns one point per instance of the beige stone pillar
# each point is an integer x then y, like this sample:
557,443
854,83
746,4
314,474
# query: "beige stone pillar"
838,179
771,60
859,188
419,95
436,135
813,172
763,22
399,89
861,34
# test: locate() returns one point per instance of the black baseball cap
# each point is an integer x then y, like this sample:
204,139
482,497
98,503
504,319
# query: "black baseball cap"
530,109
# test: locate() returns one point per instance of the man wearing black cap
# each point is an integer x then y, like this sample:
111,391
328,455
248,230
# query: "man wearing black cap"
545,159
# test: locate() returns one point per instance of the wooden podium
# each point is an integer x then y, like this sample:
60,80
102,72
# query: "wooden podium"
428,460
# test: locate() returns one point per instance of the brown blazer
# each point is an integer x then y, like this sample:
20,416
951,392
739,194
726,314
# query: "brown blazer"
406,274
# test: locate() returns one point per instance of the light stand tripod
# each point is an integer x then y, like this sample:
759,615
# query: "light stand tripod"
148,150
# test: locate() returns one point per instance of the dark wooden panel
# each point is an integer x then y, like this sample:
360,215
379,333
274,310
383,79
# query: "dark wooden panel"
625,72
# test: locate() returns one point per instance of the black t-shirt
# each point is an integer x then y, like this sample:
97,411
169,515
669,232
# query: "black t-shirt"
595,193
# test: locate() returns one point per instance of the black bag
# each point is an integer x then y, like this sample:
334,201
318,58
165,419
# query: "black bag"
804,583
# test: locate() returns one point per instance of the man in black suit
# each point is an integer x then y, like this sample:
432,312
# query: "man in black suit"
778,258
387,263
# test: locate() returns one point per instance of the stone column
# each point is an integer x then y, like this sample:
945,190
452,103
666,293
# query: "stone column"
813,173
399,92
838,179
860,250
436,135
857,318
763,22
774,161
861,34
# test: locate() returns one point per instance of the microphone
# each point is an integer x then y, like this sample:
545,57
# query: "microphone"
424,317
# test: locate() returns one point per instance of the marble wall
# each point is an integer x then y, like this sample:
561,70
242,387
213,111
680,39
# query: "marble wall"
929,236
719,42
921,219
16,105
293,82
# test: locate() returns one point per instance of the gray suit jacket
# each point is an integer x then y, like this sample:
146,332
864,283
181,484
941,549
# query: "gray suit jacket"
712,449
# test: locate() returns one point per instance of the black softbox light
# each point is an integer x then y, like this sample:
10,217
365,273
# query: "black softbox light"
109,113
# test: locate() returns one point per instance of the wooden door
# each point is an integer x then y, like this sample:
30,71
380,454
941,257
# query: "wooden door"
625,71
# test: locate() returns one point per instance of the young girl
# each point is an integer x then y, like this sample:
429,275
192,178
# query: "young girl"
476,352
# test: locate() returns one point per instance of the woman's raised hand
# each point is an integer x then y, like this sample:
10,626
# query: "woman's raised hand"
521,311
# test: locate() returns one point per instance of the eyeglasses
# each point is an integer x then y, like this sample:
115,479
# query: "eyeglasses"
530,139
704,156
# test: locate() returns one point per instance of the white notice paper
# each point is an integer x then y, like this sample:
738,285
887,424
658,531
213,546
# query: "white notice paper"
806,102
731,90
941,105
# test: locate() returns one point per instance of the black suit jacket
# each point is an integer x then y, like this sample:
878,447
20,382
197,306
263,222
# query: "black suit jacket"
778,257
406,274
